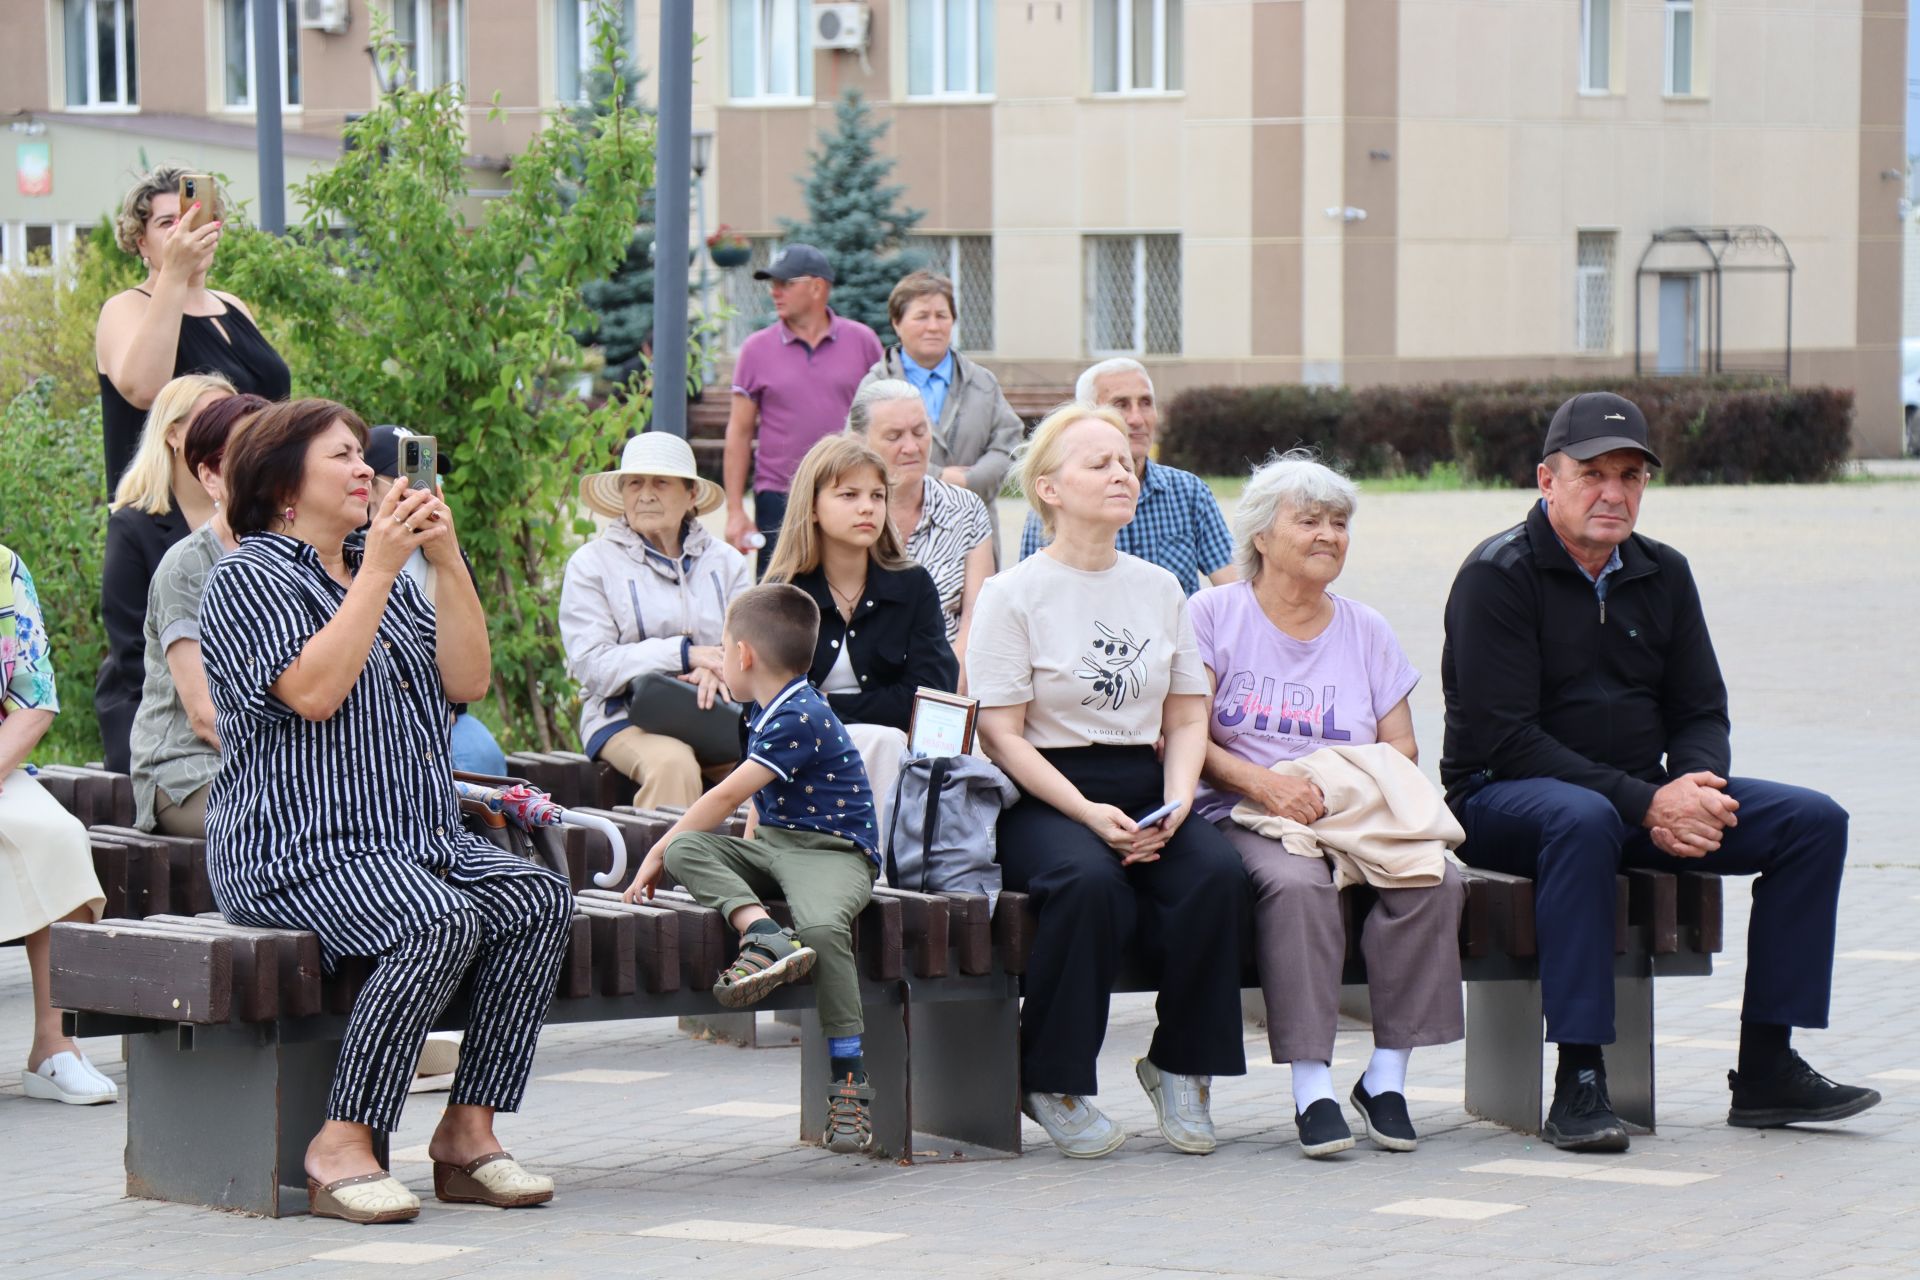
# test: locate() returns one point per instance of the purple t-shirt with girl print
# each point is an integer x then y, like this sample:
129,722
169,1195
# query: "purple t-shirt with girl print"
1277,698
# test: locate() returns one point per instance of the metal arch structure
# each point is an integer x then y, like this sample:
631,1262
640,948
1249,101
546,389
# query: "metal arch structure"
1714,252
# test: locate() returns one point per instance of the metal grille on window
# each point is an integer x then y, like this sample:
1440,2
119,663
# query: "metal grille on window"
749,299
968,262
1133,294
1162,289
1593,291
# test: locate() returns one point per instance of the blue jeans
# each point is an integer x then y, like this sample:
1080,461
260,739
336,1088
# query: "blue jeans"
769,510
474,750
1571,842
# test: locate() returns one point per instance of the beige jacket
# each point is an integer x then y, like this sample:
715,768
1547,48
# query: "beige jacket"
1386,825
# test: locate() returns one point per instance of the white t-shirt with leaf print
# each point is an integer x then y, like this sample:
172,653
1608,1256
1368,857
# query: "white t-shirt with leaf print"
1092,655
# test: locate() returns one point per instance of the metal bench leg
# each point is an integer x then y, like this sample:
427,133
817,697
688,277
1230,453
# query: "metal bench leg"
732,1028
225,1121
1505,1053
1630,1056
884,1047
966,1075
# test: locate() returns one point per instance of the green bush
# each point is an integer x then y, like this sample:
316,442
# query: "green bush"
51,466
47,319
1220,431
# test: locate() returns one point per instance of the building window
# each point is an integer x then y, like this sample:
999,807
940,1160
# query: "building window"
748,299
1680,47
1593,292
1596,46
34,248
573,40
1133,295
433,33
949,47
100,54
237,32
1137,46
770,49
968,262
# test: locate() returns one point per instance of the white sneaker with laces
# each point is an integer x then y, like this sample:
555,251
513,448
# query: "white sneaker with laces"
1081,1130
1181,1104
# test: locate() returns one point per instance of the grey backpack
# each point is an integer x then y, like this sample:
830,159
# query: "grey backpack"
944,812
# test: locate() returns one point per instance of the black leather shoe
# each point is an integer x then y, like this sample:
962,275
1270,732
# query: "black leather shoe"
1794,1094
1581,1118
1323,1130
1385,1118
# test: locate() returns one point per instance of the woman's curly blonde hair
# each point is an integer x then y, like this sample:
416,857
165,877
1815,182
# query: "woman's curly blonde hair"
138,205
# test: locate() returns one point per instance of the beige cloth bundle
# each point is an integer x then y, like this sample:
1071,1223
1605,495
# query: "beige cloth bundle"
1385,825
46,866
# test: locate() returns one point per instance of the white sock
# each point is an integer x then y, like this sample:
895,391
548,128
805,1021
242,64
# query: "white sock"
1312,1081
1387,1071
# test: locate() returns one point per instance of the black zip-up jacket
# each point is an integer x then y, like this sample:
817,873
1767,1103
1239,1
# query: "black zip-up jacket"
1542,680
898,639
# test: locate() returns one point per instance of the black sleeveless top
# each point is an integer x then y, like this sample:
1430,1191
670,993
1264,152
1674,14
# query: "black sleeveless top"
244,356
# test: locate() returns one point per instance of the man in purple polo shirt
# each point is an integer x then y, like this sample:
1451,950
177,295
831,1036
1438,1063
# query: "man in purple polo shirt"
792,385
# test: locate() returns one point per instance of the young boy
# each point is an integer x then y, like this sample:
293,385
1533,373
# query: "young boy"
814,842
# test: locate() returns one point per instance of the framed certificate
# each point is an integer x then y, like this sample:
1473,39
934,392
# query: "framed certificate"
942,723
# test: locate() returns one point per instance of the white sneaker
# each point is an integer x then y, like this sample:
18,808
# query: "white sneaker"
1181,1104
1081,1130
68,1077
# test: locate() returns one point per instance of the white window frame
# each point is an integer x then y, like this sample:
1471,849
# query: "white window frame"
1092,300
13,249
941,89
125,57
1673,9
763,54
1587,43
1584,279
1123,51
584,50
288,36
421,72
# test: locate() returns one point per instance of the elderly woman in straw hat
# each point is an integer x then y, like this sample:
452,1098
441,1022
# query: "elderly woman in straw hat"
648,594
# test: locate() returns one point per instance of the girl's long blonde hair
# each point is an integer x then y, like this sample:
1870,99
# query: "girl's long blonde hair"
799,548
148,482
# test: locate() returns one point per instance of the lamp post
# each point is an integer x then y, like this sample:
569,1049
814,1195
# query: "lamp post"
267,142
700,155
671,170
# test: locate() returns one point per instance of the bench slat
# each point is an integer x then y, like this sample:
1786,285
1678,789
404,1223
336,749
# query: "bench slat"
300,972
615,949
191,890
970,927
1013,920
925,927
1702,904
256,965
1653,902
137,972
577,967
706,943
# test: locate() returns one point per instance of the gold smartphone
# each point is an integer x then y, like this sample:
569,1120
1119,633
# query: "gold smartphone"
201,187
419,462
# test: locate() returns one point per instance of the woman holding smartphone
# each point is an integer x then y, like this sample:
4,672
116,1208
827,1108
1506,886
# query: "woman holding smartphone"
172,323
1084,659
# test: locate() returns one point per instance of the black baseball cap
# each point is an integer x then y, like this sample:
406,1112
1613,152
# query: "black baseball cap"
797,260
1597,422
383,452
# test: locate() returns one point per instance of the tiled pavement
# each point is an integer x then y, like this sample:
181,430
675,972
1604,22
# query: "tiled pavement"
677,1156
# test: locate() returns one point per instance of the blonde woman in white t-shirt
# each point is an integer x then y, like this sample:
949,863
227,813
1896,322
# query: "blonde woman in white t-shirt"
1094,700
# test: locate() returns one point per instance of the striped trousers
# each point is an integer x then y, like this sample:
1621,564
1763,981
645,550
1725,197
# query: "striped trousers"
498,914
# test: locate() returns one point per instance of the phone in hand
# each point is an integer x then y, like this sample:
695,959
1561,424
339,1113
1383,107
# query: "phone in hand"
420,461
1158,816
203,189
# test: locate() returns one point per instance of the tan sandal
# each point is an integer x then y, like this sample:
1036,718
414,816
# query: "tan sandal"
366,1199
495,1179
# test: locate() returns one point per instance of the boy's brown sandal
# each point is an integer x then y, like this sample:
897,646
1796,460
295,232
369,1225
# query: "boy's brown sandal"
766,960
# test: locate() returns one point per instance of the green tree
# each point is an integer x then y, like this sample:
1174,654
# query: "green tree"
622,304
49,318
853,214
463,329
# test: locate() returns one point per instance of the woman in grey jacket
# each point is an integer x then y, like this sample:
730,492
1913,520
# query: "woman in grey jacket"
975,430
649,594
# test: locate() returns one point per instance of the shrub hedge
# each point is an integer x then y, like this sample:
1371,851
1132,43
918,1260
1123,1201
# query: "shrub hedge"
1726,430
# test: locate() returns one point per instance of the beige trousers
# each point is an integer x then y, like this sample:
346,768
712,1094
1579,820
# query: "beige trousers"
664,768
188,818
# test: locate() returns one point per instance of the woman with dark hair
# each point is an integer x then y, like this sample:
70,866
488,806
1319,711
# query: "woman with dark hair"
176,751
334,810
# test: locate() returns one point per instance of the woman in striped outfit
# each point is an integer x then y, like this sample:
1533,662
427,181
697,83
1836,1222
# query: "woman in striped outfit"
334,809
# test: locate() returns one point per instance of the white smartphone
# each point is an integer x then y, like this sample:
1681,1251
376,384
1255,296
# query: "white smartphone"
1159,815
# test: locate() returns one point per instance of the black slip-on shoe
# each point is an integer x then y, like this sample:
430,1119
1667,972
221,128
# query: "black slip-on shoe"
1581,1118
1385,1118
1795,1094
1323,1130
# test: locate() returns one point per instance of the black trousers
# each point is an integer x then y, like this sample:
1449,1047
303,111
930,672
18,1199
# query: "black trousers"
1185,915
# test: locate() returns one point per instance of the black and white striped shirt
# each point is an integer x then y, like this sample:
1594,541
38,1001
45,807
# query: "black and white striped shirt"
296,798
953,521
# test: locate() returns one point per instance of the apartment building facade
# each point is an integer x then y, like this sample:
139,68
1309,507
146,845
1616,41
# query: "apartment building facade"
1348,191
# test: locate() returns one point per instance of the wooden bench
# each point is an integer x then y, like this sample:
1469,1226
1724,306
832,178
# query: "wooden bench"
232,1033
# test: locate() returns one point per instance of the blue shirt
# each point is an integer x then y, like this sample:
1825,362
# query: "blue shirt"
932,384
1177,525
819,782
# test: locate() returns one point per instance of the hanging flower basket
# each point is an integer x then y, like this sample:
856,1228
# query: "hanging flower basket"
727,248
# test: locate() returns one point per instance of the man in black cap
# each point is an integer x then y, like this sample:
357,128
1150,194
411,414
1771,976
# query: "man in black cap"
1587,731
792,385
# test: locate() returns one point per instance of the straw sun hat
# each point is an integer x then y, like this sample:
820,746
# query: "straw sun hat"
651,453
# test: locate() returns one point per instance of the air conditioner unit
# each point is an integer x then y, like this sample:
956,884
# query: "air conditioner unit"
323,15
840,25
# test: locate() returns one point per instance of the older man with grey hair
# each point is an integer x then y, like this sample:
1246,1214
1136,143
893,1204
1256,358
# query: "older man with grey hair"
1177,524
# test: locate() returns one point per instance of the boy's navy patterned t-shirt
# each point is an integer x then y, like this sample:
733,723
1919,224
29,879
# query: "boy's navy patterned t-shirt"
819,782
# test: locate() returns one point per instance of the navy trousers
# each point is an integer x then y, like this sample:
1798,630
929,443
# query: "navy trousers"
1571,843
769,512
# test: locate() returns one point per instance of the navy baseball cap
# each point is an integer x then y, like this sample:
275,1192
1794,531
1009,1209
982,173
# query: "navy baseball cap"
383,451
794,261
1597,422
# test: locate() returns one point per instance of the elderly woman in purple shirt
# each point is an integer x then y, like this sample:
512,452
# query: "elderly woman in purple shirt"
1295,668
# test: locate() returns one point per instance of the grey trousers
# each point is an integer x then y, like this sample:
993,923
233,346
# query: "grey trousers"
1410,940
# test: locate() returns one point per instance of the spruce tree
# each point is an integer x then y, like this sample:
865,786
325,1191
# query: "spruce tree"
622,304
853,215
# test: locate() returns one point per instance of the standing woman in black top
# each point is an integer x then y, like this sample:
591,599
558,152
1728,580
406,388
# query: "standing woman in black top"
171,323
